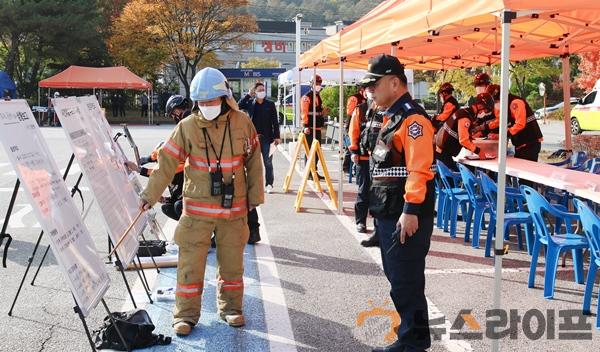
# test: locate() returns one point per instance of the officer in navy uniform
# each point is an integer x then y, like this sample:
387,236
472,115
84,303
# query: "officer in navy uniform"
402,198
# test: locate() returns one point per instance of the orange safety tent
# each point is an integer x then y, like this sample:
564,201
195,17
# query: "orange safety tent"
96,77
79,77
447,34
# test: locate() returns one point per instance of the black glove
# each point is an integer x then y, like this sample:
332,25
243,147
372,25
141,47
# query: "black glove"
145,160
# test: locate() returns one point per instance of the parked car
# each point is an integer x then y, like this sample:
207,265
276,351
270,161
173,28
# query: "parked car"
585,116
539,113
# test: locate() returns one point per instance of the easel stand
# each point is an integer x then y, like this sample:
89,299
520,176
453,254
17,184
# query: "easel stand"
87,330
37,244
141,275
3,234
74,190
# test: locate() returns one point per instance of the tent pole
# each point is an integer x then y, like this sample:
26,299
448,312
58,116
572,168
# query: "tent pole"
314,107
298,95
298,51
284,114
151,103
341,142
507,17
566,71
294,111
149,120
39,104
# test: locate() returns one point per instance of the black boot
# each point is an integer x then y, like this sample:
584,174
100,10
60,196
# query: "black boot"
254,236
372,241
395,347
361,228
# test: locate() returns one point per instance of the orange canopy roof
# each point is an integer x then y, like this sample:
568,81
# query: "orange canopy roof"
447,34
96,77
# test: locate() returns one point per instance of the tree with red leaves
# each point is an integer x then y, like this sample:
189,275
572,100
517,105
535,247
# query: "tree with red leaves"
589,68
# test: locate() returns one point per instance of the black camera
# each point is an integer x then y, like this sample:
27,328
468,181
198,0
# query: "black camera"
227,200
216,183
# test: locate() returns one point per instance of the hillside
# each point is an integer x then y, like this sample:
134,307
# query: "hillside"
319,12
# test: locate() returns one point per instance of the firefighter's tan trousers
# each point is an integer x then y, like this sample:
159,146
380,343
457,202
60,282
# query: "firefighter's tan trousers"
193,238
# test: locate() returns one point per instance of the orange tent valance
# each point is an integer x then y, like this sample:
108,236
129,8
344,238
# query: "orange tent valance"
447,34
96,77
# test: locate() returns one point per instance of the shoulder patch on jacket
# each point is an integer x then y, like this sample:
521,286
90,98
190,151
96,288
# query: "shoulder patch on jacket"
415,130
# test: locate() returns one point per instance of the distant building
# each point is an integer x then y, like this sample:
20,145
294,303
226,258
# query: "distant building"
274,40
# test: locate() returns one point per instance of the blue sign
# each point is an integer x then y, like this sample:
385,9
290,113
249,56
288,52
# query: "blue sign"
237,73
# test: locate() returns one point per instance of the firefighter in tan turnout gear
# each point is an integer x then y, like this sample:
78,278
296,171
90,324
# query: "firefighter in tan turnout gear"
223,181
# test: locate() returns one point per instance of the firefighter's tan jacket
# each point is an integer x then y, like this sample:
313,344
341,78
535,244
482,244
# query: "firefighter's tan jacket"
187,144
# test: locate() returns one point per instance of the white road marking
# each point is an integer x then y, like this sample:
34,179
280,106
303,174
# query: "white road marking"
452,345
11,189
279,326
74,170
139,294
16,218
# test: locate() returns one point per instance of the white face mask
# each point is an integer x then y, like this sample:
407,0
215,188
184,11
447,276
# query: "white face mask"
481,114
261,95
369,95
480,90
318,89
210,112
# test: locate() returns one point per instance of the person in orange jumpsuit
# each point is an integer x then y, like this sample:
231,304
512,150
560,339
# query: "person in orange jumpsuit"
313,123
449,106
455,134
523,129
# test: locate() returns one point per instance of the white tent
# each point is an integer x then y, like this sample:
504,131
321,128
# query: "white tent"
329,76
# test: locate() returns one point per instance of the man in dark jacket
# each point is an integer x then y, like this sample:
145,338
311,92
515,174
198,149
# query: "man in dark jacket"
264,116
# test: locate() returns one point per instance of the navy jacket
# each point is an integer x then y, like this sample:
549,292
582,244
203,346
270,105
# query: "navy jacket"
264,117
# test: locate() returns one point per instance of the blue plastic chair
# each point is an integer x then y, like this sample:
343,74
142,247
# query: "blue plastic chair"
592,166
555,242
595,167
561,197
478,206
441,199
516,216
455,197
591,228
574,161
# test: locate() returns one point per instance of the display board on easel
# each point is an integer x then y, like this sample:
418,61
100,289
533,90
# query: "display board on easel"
52,204
106,174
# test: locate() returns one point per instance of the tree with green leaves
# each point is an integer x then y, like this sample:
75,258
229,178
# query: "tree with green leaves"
257,62
331,98
182,33
41,37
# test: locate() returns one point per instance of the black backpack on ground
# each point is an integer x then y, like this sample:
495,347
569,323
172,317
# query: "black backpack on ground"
136,328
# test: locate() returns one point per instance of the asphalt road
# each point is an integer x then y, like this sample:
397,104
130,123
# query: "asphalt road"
310,286
554,134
